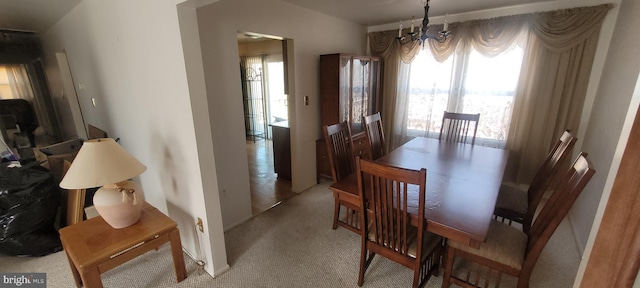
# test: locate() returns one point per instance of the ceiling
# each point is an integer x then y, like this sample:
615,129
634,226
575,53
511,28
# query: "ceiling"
377,12
33,15
39,15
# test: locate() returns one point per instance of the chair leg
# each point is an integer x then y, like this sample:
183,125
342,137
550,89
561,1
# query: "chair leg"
336,212
448,267
363,264
416,276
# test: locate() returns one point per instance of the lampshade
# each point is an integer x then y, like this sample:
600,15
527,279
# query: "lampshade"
103,162
100,162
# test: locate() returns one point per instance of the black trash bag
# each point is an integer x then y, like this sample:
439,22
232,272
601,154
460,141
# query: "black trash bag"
28,207
32,243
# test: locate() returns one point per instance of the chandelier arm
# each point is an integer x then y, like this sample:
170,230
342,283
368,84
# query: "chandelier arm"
424,35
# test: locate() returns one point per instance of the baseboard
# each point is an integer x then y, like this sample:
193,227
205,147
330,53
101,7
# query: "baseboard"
575,236
234,225
213,274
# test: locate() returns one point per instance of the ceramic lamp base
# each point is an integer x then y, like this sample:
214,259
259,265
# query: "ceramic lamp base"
119,209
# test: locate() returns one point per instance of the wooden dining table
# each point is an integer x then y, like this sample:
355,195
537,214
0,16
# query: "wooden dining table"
463,181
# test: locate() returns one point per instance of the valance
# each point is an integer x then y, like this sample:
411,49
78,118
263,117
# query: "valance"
558,30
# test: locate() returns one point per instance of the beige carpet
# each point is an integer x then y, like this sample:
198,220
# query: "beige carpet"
291,245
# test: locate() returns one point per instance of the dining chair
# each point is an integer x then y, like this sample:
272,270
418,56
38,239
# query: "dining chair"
508,250
455,127
342,162
519,204
386,222
375,134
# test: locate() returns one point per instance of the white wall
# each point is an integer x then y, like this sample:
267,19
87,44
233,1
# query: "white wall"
312,34
128,55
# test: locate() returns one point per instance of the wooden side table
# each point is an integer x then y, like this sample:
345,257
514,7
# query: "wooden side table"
93,247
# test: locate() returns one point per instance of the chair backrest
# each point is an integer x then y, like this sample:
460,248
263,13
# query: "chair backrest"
544,177
340,150
455,127
375,134
386,211
570,186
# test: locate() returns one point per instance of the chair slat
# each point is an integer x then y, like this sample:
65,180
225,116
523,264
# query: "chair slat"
375,135
456,126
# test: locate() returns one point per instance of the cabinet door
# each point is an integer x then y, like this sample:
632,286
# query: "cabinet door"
361,104
345,90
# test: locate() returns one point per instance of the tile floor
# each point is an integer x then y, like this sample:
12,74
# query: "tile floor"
266,189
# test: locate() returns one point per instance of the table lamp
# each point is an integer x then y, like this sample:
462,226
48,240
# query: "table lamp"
104,163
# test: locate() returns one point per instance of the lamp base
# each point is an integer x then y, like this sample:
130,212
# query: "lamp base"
120,204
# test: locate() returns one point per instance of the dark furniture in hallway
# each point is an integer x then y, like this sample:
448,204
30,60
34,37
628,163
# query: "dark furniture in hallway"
281,149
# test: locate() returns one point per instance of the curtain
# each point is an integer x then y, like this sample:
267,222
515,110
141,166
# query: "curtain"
384,45
552,85
43,103
26,84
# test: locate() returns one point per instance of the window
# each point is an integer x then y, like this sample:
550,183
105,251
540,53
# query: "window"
5,85
464,83
278,110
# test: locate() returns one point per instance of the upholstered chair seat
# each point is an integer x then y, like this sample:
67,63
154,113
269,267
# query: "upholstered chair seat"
505,244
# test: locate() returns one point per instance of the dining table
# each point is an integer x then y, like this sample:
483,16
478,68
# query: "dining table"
463,181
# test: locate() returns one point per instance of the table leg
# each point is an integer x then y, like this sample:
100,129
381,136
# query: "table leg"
74,271
91,278
178,258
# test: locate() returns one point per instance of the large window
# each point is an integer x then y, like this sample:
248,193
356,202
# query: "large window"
465,83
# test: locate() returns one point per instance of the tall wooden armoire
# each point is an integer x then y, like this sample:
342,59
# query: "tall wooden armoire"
349,90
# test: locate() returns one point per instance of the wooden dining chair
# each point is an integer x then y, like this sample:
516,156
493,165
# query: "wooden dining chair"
455,127
519,205
387,228
342,162
508,250
375,134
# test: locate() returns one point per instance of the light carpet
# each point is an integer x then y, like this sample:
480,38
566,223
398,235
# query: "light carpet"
290,245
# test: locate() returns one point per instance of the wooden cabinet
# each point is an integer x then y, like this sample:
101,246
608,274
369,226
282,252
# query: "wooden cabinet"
349,90
361,145
281,149
322,160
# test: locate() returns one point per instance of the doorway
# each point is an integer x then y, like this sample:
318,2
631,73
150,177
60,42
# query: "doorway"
27,117
266,119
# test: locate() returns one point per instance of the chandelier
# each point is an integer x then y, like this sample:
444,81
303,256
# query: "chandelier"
423,30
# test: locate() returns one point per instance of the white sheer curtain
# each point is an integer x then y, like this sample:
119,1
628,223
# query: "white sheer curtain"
465,82
19,82
23,86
